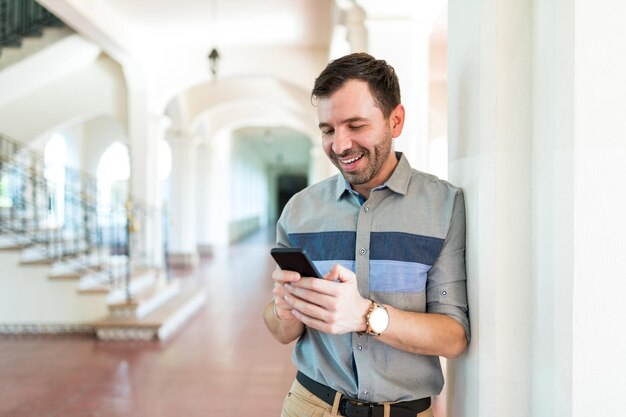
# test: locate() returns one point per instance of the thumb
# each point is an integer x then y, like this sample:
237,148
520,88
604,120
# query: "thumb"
340,274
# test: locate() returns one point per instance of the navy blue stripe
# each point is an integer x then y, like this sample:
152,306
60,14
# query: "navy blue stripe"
405,247
324,246
390,246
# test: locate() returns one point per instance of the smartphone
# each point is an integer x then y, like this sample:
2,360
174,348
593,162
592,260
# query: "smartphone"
295,259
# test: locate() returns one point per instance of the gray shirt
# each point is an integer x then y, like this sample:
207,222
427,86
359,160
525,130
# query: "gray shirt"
406,244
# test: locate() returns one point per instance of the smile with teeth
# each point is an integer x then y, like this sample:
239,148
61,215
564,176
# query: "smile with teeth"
351,160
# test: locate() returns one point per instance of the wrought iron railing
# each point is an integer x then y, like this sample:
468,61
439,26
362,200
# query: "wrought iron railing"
23,18
69,223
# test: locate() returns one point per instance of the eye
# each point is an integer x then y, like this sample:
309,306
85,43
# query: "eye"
356,127
326,132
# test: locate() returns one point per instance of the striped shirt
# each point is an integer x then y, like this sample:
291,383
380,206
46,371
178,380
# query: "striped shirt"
406,244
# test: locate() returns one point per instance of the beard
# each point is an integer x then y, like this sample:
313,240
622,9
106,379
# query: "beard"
375,160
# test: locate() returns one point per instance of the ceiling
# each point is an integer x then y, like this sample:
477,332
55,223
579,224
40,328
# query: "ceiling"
301,23
277,146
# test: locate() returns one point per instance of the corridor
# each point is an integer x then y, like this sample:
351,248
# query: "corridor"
221,363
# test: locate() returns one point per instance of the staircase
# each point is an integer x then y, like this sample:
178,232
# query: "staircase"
21,19
70,264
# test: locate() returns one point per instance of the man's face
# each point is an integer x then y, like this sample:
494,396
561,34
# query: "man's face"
356,136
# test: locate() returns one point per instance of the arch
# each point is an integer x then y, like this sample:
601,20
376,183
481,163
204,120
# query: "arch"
192,104
113,174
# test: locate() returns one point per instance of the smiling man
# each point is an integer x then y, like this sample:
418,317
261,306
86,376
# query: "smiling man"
390,242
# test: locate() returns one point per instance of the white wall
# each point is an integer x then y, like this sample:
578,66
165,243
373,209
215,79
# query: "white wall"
99,134
249,186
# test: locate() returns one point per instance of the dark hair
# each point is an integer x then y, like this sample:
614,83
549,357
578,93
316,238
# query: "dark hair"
380,76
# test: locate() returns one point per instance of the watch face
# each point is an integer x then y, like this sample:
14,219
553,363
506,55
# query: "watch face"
379,320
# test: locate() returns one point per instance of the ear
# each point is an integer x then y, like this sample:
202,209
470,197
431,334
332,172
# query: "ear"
396,120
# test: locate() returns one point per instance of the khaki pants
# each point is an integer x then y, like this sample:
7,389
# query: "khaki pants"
301,403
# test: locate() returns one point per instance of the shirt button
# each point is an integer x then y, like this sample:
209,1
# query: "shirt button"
360,347
365,392
367,209
362,251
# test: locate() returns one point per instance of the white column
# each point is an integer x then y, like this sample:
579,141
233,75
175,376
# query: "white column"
403,41
546,234
217,190
182,248
144,132
553,173
203,200
599,341
320,166
489,90
356,30
352,18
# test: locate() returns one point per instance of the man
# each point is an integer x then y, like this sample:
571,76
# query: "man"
391,243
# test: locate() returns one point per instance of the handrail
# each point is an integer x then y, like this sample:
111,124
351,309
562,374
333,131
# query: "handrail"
79,229
23,18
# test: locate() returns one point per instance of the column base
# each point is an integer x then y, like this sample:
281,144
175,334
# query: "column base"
182,260
205,249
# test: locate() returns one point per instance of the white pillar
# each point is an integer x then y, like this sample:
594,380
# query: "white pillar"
537,142
489,90
182,250
320,166
356,32
217,215
553,198
144,132
401,37
203,183
598,338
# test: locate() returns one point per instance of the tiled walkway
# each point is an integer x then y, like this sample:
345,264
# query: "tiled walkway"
222,363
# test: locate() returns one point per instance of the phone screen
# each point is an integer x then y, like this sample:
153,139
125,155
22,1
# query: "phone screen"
295,259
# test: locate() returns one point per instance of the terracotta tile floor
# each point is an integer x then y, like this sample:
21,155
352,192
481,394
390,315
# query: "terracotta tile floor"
221,363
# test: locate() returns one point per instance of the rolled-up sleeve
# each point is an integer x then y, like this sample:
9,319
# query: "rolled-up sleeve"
446,291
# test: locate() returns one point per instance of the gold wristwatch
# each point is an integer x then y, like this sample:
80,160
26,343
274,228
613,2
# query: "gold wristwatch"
377,319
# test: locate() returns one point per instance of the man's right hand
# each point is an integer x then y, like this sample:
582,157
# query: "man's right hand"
278,314
281,309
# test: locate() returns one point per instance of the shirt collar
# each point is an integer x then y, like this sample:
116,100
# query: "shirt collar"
398,182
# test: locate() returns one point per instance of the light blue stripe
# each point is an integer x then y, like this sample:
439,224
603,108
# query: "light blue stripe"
397,276
324,266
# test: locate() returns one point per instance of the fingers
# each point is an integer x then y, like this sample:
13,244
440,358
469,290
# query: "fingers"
281,307
297,295
282,276
304,307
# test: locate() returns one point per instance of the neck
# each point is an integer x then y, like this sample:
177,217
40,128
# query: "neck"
380,178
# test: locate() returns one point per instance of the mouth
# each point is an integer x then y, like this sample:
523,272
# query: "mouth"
350,161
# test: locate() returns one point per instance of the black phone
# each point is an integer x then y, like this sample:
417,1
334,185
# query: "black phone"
295,259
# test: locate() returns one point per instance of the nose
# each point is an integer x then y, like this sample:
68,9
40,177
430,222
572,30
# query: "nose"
341,142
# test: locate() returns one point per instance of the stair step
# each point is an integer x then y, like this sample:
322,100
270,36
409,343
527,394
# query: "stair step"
99,282
44,260
159,324
145,301
78,267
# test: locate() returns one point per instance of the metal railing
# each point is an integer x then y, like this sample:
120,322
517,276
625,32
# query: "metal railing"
23,18
68,223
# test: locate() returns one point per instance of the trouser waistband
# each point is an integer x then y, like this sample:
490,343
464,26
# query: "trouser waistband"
356,408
